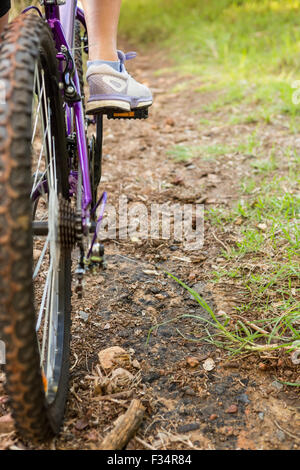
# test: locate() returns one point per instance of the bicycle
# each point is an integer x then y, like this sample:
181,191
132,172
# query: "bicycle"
49,176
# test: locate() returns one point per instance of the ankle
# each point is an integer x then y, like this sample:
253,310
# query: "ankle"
101,53
115,64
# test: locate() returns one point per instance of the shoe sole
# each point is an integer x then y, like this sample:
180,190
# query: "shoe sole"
95,107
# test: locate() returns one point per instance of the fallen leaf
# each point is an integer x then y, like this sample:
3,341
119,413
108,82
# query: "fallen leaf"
6,424
81,424
108,356
209,364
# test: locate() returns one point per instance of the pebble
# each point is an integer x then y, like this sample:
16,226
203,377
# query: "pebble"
154,290
277,385
243,398
232,409
188,427
261,415
213,417
209,364
136,364
174,248
151,377
84,316
220,389
192,361
36,254
189,391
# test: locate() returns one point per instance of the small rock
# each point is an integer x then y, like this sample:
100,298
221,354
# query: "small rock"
36,254
192,276
81,424
174,247
277,385
232,409
84,316
261,415
243,398
192,361
295,356
221,313
262,227
106,326
213,417
177,181
188,427
151,377
136,240
170,122
189,391
109,356
209,364
154,290
136,364
190,166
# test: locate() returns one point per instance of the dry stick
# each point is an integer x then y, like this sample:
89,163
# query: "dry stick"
125,428
221,243
144,443
287,432
124,394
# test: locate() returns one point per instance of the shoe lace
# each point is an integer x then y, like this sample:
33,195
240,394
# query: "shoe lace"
123,57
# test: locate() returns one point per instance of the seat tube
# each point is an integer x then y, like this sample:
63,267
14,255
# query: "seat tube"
67,18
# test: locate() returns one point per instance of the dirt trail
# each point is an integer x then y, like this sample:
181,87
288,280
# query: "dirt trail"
237,405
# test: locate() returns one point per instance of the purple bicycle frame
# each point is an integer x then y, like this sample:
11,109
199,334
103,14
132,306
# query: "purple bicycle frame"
61,20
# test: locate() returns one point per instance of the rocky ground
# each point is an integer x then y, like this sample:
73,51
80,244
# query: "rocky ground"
195,396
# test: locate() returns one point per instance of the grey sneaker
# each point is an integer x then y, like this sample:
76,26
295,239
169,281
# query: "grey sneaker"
115,90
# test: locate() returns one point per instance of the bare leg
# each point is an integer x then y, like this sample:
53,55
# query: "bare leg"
3,23
102,17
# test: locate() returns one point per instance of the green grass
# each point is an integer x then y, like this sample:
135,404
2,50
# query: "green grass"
266,334
246,52
208,152
260,36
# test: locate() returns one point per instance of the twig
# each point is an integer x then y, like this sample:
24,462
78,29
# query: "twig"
221,243
125,428
287,432
144,443
125,394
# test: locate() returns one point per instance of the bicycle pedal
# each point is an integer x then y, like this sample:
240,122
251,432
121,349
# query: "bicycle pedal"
135,114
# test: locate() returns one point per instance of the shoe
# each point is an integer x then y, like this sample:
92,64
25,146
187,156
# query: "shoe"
110,89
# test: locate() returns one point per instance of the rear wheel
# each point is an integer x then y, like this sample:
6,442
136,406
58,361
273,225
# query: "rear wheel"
35,265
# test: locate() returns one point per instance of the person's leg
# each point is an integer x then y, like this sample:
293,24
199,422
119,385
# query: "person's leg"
109,83
3,23
102,18
4,8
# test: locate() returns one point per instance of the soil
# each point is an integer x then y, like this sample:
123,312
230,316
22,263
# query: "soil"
239,404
